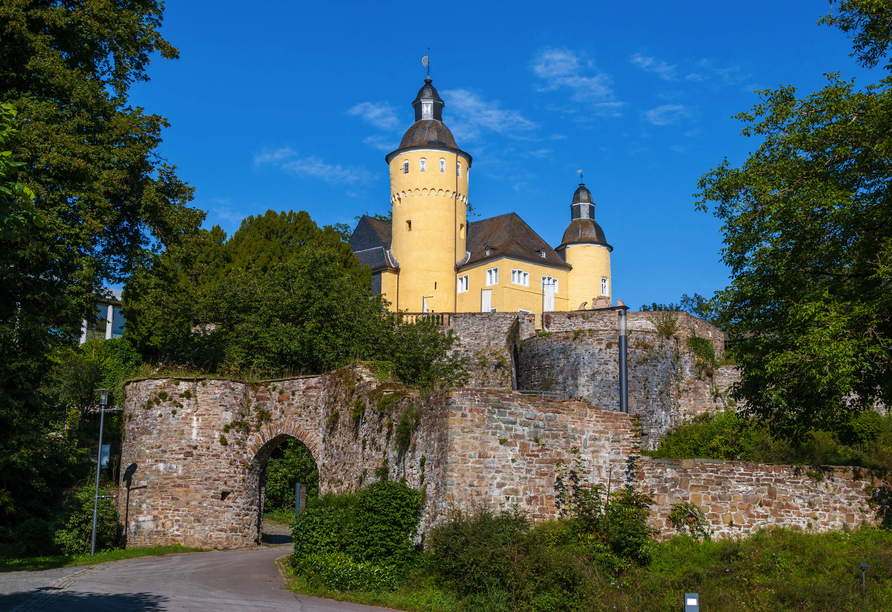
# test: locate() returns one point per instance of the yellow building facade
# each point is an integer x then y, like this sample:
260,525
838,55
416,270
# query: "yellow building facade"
429,258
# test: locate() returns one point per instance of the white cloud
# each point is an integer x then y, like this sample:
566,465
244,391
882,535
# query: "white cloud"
538,153
287,159
379,114
667,114
564,69
474,114
225,211
678,149
695,77
381,143
650,64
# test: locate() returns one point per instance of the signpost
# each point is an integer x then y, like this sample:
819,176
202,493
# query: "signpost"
103,400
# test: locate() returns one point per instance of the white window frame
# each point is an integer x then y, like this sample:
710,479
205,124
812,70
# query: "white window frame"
462,283
457,168
422,164
405,166
553,281
525,311
519,277
427,109
492,277
442,165
605,286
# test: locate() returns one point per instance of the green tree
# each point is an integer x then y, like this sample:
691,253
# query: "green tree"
15,198
105,198
809,244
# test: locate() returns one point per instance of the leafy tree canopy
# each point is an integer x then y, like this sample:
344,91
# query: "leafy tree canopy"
103,200
808,239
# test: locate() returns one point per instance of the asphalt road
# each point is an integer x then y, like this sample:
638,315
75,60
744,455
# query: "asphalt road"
242,580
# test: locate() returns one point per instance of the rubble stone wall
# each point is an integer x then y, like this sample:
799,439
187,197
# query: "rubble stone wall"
739,498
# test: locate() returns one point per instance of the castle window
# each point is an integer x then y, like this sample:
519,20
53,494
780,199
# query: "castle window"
442,165
605,286
461,230
550,280
457,168
542,253
422,164
492,276
427,109
408,226
462,283
519,277
406,167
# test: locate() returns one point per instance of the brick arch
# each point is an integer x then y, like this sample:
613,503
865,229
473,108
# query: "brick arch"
270,431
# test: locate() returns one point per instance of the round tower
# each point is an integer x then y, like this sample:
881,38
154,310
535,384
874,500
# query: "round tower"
585,248
429,196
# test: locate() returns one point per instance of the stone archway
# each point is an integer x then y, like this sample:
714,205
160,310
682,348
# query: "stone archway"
263,444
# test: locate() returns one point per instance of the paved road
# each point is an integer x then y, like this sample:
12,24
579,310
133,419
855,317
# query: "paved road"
245,580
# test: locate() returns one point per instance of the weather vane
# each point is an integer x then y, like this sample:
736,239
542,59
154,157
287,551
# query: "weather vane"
426,62
580,175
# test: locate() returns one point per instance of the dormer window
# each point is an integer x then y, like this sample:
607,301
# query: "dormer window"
422,164
542,253
488,251
427,109
406,167
442,165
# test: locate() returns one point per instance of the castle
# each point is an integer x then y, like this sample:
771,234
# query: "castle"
431,259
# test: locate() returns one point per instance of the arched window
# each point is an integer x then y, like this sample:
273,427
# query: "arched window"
457,168
422,164
442,165
406,166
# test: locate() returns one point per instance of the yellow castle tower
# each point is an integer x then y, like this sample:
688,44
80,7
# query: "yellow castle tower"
429,196
585,247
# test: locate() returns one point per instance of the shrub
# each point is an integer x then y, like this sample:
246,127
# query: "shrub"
74,536
476,553
386,522
31,538
686,518
338,571
289,464
325,526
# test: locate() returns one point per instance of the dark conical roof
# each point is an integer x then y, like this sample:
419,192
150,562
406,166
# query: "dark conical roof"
428,133
582,194
427,92
584,231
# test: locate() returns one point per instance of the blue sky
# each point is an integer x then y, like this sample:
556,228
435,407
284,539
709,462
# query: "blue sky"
293,105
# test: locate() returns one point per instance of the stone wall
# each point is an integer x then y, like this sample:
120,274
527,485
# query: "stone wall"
487,342
195,449
739,498
667,384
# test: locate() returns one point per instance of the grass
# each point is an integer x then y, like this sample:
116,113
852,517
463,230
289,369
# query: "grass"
781,569
43,563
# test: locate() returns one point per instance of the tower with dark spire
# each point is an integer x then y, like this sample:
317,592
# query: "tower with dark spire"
585,247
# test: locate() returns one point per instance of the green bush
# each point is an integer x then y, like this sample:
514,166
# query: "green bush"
376,525
32,538
338,571
74,536
386,523
476,553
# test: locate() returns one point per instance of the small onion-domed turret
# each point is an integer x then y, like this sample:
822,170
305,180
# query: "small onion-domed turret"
428,104
583,229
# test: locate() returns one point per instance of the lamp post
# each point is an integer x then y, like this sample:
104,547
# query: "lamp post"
863,583
103,400
623,363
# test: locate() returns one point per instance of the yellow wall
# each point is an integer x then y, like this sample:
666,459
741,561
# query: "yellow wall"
435,204
590,263
389,287
508,297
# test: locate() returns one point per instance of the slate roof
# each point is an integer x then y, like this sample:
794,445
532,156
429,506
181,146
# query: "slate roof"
370,243
508,236
584,231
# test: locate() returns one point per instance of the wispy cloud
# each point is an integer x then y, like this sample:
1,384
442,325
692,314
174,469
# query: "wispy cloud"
667,114
224,211
380,114
382,143
287,159
732,75
649,64
475,115
561,68
694,76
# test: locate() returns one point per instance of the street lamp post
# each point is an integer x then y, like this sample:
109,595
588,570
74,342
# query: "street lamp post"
103,400
623,363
